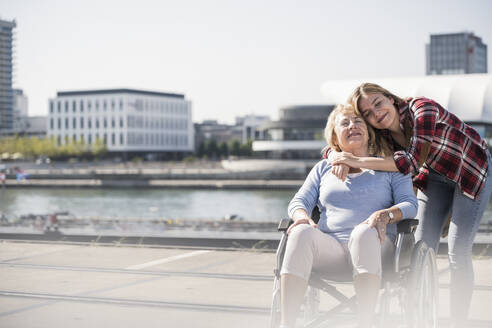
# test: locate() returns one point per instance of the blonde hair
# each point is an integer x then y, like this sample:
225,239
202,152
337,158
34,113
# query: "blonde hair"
377,146
370,88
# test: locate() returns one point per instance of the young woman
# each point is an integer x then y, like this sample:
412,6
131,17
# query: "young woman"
351,233
449,162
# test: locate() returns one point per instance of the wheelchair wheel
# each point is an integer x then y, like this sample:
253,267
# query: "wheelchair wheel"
275,310
311,304
384,306
422,288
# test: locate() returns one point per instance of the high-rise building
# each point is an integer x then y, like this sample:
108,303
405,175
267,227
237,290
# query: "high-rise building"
6,68
456,53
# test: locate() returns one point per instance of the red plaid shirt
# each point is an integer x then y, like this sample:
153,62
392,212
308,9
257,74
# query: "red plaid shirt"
456,151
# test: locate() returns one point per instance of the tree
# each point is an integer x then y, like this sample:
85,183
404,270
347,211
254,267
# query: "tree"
99,148
211,148
235,147
200,152
49,147
224,149
247,148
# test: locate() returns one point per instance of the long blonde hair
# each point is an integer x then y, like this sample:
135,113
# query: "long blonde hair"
376,144
370,88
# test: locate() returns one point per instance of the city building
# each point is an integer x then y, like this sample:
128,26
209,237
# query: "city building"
469,96
298,134
250,125
456,53
6,70
22,124
212,130
128,121
31,126
20,110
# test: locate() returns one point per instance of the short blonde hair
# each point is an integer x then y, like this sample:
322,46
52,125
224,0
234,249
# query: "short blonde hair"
377,146
370,88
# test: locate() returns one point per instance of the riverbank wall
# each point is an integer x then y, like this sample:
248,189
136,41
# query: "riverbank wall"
116,182
155,177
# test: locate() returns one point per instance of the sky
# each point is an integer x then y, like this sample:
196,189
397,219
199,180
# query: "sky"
229,58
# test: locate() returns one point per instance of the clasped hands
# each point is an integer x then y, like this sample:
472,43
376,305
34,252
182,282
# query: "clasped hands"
342,161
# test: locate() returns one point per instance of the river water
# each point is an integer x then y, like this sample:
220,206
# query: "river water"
252,205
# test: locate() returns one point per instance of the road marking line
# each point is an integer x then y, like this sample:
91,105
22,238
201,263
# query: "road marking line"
166,260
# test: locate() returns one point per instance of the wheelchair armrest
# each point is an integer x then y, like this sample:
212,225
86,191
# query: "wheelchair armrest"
284,224
406,225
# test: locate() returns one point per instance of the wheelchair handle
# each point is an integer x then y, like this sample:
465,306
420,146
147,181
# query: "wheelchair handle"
406,225
284,224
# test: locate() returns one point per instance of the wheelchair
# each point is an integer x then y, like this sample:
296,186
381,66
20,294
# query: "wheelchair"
408,294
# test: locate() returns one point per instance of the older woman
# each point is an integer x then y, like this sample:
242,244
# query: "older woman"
352,230
450,163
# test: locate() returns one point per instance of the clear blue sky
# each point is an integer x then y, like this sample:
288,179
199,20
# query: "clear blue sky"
229,57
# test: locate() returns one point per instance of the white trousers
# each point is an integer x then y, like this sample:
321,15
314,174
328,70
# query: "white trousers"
309,249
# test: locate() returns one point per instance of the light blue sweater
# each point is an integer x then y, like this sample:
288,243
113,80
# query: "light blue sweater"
345,204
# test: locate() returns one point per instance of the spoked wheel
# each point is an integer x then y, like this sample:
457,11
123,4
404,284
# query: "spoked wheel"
310,307
422,289
384,307
275,310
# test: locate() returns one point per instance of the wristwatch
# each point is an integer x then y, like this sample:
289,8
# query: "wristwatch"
391,216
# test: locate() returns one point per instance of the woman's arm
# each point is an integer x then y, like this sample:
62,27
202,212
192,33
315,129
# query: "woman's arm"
425,116
338,170
403,195
405,205
371,163
306,198
381,218
300,216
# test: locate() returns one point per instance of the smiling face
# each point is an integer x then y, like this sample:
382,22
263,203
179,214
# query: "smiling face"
378,110
351,133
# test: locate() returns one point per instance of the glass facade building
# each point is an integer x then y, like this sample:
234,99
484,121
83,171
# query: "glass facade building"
6,70
456,53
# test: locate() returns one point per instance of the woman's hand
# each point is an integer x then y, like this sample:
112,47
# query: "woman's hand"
302,221
345,158
340,171
379,220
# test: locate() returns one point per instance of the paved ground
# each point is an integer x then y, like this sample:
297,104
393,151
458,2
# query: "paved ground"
69,285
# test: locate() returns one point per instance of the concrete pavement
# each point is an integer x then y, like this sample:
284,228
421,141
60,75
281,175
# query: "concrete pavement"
79,285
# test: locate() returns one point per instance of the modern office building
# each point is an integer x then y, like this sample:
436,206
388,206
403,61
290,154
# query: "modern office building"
6,70
469,96
456,53
298,134
127,120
